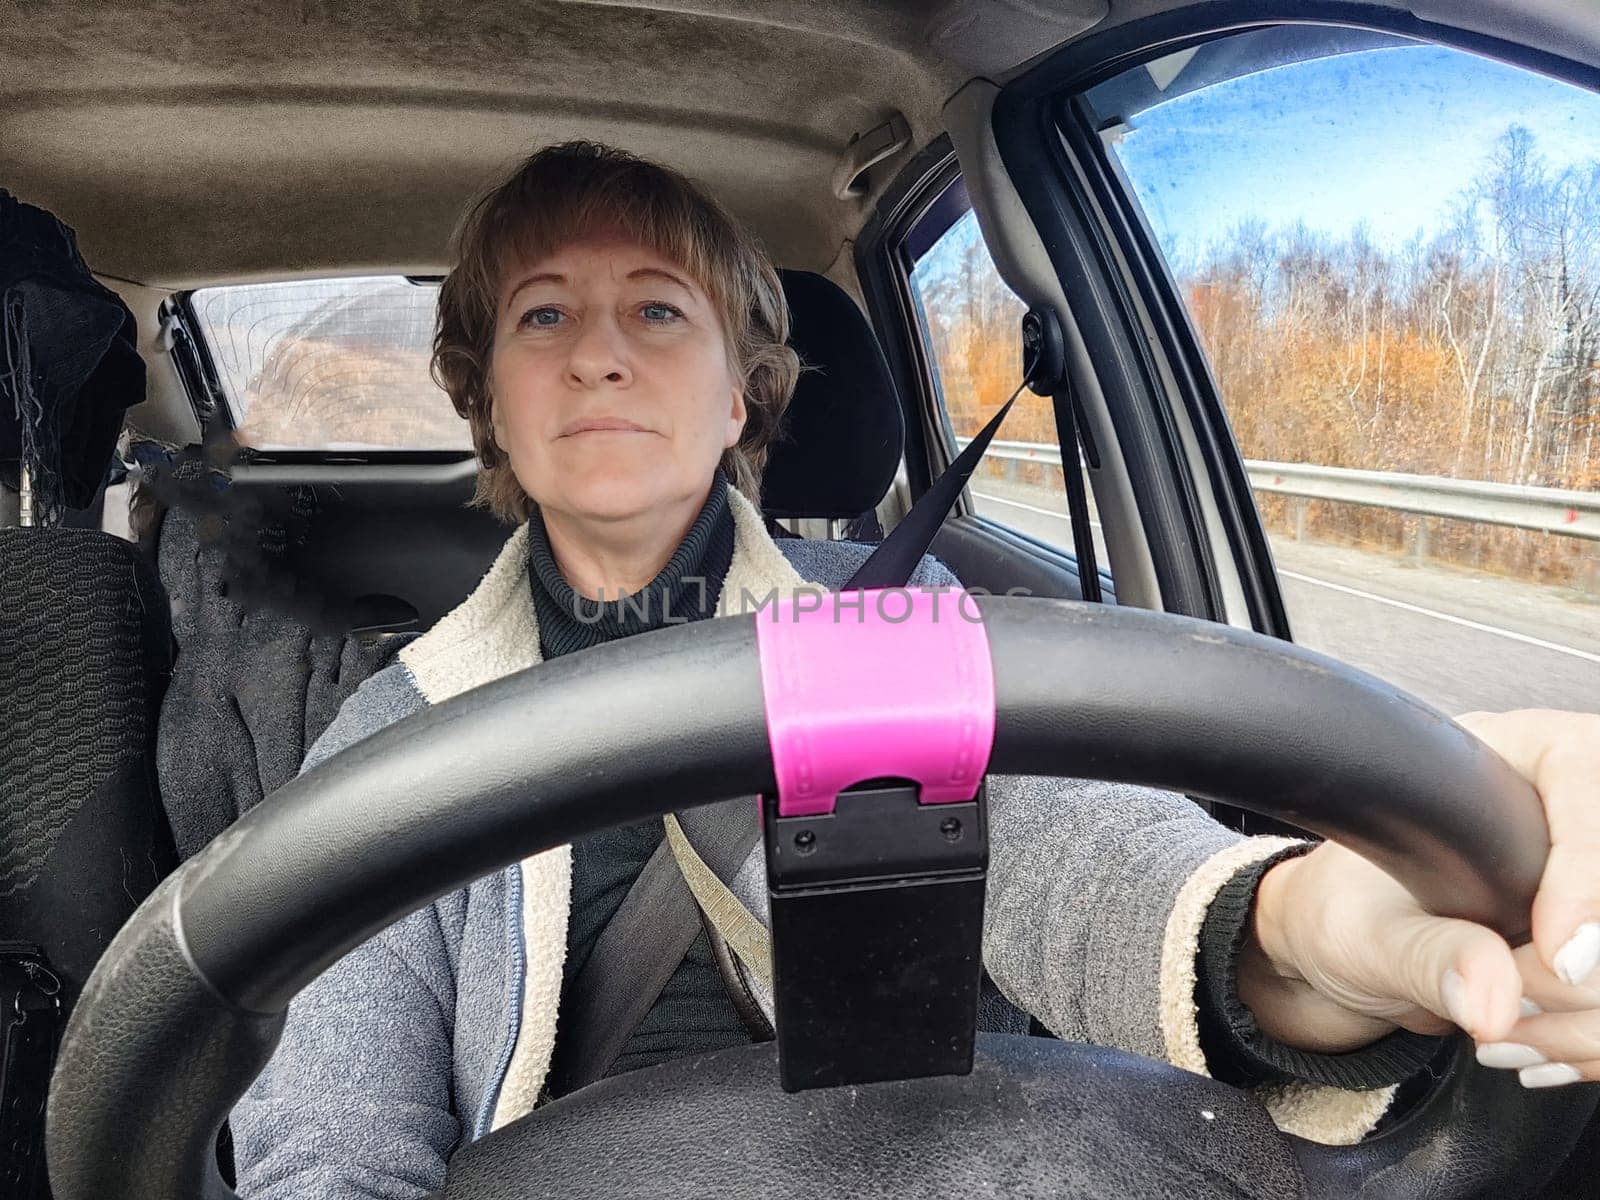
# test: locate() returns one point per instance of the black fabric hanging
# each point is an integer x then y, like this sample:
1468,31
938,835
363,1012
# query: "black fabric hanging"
69,362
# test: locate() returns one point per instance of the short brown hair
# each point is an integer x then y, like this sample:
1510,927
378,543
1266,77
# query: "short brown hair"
558,196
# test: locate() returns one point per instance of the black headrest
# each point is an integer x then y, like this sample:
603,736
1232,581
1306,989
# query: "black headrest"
843,432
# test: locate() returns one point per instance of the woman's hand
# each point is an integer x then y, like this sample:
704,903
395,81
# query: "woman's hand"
1342,953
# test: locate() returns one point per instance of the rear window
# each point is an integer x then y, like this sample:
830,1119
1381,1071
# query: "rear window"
329,364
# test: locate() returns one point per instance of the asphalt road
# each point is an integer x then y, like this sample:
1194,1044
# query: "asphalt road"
1459,639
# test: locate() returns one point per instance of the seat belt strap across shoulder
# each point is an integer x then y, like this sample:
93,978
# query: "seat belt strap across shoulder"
895,560
746,935
646,940
1044,372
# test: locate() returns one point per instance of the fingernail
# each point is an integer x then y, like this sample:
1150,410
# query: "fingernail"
1509,1056
1529,1008
1548,1075
1577,960
1454,990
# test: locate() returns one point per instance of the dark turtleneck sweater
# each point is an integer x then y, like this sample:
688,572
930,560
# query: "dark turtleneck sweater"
686,589
693,1014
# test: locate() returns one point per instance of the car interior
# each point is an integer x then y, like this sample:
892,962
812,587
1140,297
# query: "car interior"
177,642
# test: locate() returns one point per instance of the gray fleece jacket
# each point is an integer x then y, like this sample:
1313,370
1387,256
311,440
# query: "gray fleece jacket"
440,1028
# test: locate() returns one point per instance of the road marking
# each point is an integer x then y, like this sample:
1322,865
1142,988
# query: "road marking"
1440,616
1511,634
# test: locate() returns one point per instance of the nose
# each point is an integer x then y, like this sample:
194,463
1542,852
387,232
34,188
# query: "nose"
599,354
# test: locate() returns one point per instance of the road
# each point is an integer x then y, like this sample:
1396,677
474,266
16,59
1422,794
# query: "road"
1459,639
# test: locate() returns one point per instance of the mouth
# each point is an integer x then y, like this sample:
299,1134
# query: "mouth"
602,425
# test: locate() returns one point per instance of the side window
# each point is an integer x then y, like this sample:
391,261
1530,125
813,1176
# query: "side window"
970,325
1390,252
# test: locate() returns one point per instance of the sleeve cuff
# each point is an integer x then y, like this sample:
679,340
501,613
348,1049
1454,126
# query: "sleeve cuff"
1236,1050
1328,1115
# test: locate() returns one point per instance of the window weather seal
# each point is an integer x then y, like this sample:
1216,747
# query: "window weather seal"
196,372
886,289
1195,386
1080,65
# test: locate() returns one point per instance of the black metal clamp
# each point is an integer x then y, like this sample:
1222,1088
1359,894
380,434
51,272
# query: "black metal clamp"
877,934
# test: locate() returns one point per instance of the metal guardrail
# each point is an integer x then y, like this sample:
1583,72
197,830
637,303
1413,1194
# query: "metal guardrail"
1547,510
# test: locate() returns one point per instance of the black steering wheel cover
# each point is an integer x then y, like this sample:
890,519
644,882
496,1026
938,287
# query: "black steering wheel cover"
1224,714
152,1065
676,718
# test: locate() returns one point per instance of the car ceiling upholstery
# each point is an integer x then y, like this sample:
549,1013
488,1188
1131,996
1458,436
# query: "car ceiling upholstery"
272,137
193,144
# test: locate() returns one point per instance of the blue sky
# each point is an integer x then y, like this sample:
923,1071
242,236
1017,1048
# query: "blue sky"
1386,135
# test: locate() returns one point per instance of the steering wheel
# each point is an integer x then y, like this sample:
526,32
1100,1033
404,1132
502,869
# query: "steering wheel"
185,1007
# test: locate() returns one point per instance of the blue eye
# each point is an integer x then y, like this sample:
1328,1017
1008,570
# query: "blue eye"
656,311
544,318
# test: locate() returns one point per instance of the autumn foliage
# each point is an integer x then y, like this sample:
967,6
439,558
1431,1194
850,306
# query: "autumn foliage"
1472,352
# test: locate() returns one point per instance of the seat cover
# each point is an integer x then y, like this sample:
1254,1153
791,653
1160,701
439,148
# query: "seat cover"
83,838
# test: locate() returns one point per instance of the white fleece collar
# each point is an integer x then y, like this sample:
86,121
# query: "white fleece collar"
493,633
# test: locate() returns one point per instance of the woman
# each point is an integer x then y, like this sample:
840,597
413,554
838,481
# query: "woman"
617,344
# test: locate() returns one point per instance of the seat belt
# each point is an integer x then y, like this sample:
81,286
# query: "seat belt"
1077,500
1044,373
645,941
632,960
728,915
897,556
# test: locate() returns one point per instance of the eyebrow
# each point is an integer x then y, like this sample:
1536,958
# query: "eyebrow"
659,273
555,277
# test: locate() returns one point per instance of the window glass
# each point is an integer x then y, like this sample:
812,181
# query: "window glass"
971,323
329,364
1391,254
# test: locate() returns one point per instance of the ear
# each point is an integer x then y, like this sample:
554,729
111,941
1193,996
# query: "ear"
497,424
737,415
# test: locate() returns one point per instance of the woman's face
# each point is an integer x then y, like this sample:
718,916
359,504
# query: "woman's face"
613,393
